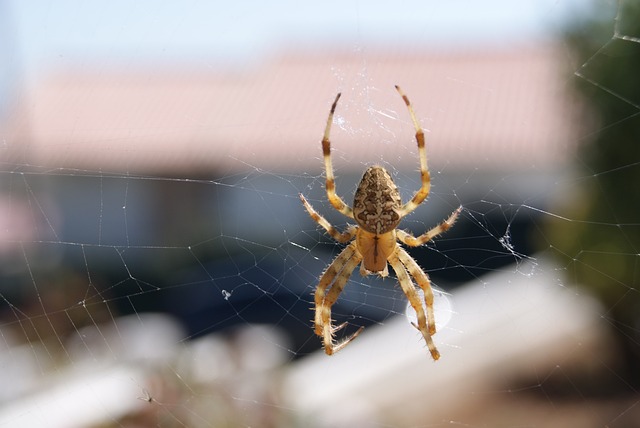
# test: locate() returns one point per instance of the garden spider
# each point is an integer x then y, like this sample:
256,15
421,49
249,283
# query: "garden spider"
377,210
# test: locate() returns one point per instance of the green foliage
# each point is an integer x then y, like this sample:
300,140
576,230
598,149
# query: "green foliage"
600,243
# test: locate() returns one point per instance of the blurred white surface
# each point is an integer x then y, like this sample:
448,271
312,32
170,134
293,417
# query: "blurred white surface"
519,322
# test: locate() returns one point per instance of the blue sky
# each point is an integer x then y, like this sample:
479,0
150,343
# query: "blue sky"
156,30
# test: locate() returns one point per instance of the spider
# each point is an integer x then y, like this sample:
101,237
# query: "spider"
377,210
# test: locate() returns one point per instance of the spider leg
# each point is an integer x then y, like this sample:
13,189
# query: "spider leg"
416,241
332,231
335,200
422,279
425,176
342,267
325,281
409,290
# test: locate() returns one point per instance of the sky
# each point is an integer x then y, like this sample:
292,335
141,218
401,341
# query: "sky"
144,29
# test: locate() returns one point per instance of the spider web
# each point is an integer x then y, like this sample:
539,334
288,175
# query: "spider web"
144,285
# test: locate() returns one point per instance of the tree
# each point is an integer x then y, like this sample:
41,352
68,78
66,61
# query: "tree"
600,243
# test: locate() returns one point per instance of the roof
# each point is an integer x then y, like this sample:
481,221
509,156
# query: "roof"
506,109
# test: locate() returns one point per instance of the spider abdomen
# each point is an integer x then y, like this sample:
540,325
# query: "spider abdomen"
377,202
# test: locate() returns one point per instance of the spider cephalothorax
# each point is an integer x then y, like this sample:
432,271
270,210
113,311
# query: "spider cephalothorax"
377,210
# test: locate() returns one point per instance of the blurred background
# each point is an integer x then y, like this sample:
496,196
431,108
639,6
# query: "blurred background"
158,269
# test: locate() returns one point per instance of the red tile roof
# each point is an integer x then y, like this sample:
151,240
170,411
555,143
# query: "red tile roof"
497,109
